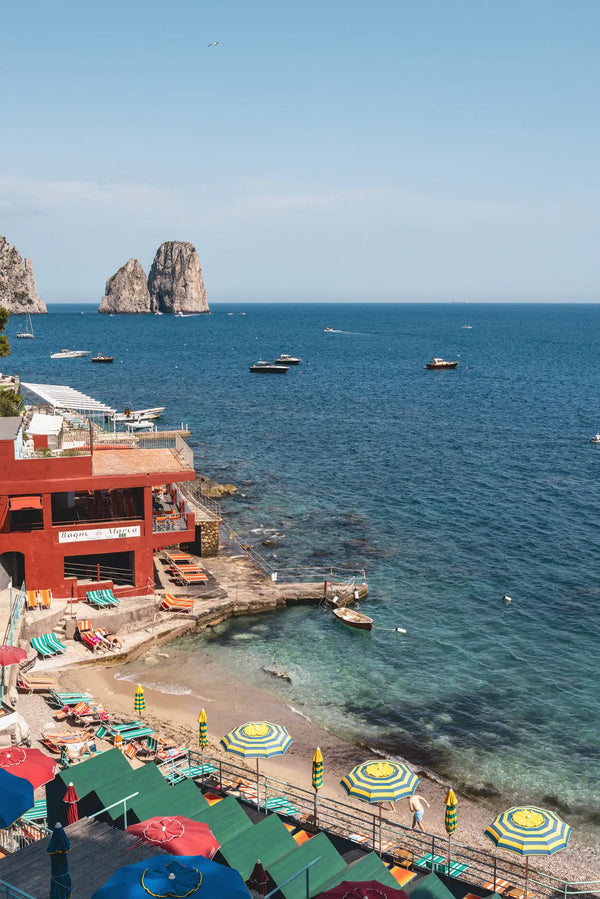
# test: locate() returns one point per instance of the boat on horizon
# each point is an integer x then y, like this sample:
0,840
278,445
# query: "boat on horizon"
353,618
27,332
437,364
284,359
268,368
70,354
101,358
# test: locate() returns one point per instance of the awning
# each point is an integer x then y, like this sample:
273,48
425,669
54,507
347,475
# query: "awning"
16,503
59,396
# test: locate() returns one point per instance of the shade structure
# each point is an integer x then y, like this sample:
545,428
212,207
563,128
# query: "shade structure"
139,702
529,830
16,797
60,879
188,875
369,889
177,835
202,730
259,740
11,655
71,799
379,781
31,764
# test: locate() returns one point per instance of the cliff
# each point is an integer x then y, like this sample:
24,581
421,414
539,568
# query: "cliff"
18,292
175,280
127,290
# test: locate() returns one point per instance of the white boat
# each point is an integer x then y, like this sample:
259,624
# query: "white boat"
595,439
284,359
27,332
70,354
140,426
129,415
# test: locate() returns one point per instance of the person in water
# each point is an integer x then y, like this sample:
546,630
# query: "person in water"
415,804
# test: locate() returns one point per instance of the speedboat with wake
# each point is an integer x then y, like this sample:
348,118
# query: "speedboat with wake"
70,354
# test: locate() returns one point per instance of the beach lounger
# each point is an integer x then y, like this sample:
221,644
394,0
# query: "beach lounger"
102,598
88,637
177,557
45,599
498,886
41,647
281,805
36,683
61,699
135,733
31,600
39,812
188,579
402,875
54,643
428,861
177,604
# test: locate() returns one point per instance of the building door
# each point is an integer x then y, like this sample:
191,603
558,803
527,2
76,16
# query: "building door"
12,565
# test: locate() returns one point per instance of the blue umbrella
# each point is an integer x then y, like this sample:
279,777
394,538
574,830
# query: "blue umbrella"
164,876
60,879
16,797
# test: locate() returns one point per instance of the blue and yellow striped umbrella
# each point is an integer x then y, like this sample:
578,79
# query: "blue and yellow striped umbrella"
378,781
317,770
529,830
257,740
139,703
450,818
202,730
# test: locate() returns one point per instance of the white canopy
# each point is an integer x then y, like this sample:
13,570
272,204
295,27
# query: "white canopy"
60,397
45,424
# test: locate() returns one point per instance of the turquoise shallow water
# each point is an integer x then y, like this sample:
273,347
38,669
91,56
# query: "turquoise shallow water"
450,488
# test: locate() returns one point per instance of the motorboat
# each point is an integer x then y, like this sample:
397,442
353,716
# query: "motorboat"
595,439
128,415
27,332
101,358
268,368
140,426
353,618
328,329
467,327
436,364
70,354
284,359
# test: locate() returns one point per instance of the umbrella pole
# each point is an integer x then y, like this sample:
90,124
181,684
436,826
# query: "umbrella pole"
526,874
257,786
449,841
315,808
380,804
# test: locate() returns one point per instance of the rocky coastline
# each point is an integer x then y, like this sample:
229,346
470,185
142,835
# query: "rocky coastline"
18,292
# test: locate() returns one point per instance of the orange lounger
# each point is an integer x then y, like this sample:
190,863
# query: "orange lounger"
184,603
46,599
31,600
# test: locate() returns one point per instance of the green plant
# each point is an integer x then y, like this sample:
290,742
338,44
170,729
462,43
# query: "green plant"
4,344
9,402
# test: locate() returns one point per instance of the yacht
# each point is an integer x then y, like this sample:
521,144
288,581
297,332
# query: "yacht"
269,368
284,359
595,439
70,354
436,364
27,332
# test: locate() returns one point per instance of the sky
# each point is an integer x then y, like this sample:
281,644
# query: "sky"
324,151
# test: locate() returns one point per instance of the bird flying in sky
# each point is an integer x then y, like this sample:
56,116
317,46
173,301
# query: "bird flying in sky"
214,44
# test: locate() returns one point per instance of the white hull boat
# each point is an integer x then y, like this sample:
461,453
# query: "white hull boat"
130,415
70,354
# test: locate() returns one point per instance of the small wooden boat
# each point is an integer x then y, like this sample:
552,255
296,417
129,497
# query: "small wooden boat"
437,364
101,358
353,618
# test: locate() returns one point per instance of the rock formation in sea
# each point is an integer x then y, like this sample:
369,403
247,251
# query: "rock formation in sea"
127,290
18,292
175,280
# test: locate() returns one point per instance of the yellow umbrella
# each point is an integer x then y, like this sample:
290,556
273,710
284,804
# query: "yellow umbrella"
202,737
450,819
139,703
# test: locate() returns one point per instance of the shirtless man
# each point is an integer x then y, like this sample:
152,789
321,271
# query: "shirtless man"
415,804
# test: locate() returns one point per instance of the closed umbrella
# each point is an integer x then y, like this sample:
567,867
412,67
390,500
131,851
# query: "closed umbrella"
450,819
139,702
202,737
16,797
163,875
60,879
529,830
31,764
258,881
367,889
376,782
259,740
177,835
317,775
71,799
11,655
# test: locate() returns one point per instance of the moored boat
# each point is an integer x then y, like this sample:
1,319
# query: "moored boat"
70,354
101,358
268,368
595,439
27,332
138,414
437,363
353,618
284,359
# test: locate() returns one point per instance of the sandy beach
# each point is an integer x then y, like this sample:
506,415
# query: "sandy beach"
229,701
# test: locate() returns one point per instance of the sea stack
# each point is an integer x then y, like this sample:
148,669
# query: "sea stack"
127,290
175,280
18,292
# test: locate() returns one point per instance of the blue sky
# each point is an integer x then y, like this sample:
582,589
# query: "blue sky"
364,150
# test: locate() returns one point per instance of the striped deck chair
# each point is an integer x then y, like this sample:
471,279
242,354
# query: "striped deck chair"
46,599
32,600
177,557
191,578
109,597
40,646
177,604
54,643
94,597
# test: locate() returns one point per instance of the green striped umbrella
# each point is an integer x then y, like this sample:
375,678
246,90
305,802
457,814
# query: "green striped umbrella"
528,830
450,819
317,775
202,737
139,703
376,782
257,740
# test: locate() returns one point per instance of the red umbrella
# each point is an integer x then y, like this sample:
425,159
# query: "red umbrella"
71,799
177,835
368,889
11,655
258,880
30,764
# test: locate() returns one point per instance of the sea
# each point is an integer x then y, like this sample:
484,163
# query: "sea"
451,489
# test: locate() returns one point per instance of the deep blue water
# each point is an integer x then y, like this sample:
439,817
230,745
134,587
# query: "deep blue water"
450,488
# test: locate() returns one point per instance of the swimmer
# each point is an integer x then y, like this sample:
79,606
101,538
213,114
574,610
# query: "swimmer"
507,599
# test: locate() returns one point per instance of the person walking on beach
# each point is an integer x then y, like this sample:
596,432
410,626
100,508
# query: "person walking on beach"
415,804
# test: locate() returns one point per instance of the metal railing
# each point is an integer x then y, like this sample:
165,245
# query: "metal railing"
8,891
94,572
21,833
423,851
71,522
107,808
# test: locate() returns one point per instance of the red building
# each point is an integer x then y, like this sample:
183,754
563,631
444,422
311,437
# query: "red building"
90,516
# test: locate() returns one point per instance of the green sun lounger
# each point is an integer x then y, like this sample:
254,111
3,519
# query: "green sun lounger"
62,699
102,598
39,812
136,733
281,805
54,643
41,647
